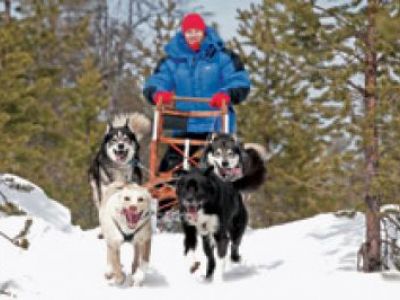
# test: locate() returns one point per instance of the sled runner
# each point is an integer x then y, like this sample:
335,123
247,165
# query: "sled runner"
161,184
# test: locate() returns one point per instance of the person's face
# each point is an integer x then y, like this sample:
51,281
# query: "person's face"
194,36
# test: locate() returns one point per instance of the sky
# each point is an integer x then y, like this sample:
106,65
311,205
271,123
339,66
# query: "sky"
225,13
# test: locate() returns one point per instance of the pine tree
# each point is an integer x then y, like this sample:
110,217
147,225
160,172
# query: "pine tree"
83,133
286,113
346,54
51,95
23,118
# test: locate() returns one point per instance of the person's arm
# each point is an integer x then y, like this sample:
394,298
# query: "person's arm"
160,81
236,82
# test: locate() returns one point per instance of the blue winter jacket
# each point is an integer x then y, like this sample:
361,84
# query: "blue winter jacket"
200,74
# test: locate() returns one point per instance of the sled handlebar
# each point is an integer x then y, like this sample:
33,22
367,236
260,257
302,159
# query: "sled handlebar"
197,99
191,99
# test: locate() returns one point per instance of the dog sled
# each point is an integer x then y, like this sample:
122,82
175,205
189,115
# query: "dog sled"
161,184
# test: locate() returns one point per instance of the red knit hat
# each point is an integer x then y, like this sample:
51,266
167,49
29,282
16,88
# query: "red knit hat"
193,20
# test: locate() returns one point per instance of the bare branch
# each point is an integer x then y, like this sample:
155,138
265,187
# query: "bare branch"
3,196
331,14
20,239
358,88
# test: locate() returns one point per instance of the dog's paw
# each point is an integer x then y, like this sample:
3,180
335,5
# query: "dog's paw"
212,278
218,278
192,262
109,275
236,258
129,281
119,279
207,279
194,267
138,278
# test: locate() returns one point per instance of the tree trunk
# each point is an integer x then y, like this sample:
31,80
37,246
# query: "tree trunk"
372,255
7,11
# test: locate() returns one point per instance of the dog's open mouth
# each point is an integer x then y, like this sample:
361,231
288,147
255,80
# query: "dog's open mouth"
229,173
121,155
192,213
132,216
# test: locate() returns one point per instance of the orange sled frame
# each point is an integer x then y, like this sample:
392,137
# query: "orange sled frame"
160,184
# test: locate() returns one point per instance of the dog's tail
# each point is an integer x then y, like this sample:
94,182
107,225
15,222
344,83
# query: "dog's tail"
254,169
137,122
260,149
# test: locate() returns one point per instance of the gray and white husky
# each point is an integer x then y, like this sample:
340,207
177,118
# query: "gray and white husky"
118,159
243,165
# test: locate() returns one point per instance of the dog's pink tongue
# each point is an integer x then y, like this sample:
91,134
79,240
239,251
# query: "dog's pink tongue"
237,171
192,213
131,215
120,157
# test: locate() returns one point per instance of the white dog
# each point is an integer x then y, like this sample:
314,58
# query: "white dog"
125,216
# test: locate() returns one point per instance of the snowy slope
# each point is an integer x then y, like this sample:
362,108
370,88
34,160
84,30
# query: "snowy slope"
34,201
308,259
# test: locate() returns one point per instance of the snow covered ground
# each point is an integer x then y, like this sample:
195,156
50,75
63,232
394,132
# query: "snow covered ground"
313,258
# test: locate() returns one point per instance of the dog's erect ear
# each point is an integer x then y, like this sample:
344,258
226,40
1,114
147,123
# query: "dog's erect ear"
127,124
235,137
211,137
240,144
206,149
237,140
109,189
109,126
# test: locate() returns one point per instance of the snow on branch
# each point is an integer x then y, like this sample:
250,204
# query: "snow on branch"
13,184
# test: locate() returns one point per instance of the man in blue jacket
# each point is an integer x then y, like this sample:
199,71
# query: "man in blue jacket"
198,65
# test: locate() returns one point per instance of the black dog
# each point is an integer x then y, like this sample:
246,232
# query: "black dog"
214,209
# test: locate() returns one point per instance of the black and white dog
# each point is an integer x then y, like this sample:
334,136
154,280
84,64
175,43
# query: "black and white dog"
213,209
117,159
243,165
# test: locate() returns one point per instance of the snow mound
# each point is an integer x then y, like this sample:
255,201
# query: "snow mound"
34,201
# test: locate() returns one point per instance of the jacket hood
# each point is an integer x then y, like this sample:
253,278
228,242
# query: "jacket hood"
178,48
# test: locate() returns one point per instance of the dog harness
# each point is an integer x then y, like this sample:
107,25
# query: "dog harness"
129,237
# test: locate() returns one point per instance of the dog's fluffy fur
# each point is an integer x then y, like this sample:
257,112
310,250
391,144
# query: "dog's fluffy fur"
213,209
137,122
243,165
118,156
125,217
